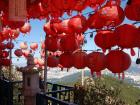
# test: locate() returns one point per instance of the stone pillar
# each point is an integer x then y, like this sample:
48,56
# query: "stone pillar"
30,87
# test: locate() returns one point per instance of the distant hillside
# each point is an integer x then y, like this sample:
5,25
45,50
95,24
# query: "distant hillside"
128,93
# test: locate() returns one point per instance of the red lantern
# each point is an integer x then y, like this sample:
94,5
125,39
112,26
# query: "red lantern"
118,61
64,26
132,11
34,46
26,53
14,33
25,28
6,62
18,52
112,15
51,43
56,26
78,24
10,45
80,5
95,21
79,59
105,39
5,54
2,46
96,61
23,45
95,3
129,33
66,60
68,43
47,29
52,61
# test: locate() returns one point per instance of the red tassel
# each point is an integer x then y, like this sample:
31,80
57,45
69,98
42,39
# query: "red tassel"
119,76
132,52
123,76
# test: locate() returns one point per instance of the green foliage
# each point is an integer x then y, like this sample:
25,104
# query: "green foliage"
95,92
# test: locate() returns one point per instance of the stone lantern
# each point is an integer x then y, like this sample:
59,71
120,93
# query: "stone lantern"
30,82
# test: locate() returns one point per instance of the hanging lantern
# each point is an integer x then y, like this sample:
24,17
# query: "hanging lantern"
10,45
25,28
78,24
68,43
23,45
118,61
66,60
64,26
96,61
132,11
79,59
95,3
47,29
5,54
25,53
95,21
17,10
18,52
52,61
56,26
105,39
51,43
34,46
14,33
80,5
6,62
112,15
129,33
2,46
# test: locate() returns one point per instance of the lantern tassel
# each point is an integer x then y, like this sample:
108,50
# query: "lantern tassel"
123,76
132,52
119,76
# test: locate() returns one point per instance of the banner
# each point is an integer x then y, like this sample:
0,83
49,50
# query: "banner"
17,10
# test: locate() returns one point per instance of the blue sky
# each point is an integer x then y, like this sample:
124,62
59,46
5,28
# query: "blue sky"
37,32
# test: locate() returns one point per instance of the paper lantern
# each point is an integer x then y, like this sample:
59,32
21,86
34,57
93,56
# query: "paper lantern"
68,43
34,46
23,45
122,64
52,61
51,43
10,45
66,60
96,61
18,52
79,59
105,39
78,24
112,15
25,28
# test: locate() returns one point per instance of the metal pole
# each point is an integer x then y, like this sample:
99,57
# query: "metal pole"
45,70
10,68
82,77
